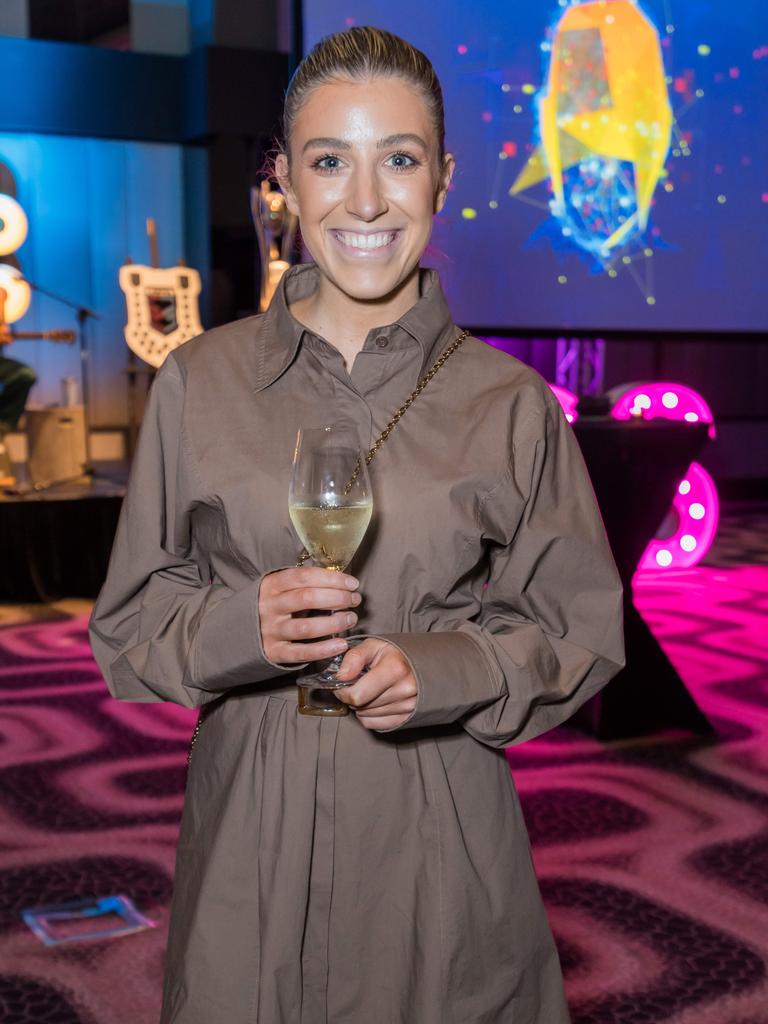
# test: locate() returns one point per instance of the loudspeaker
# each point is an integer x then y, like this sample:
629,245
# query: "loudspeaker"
55,444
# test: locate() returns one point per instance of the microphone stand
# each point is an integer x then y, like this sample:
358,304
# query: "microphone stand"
82,313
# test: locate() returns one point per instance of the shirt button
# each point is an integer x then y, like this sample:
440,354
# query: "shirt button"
382,341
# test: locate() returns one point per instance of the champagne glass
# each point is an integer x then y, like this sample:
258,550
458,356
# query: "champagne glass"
330,505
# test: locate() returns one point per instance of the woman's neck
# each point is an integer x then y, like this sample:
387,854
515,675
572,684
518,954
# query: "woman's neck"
345,321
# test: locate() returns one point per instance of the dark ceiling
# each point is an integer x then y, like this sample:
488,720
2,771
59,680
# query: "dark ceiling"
80,21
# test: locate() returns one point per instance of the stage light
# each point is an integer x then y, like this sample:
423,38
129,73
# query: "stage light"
13,225
18,294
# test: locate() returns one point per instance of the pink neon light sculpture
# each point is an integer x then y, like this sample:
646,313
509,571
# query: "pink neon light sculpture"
690,526
663,400
568,401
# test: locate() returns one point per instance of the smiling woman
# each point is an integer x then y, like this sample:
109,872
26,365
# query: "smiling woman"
365,194
372,867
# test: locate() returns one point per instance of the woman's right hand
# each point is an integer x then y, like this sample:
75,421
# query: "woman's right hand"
287,591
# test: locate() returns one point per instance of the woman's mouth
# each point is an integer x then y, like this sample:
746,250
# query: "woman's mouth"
368,245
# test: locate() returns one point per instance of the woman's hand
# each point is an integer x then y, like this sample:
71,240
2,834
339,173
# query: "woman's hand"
385,695
288,591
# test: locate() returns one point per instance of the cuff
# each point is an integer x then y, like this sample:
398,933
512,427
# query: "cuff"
452,675
228,645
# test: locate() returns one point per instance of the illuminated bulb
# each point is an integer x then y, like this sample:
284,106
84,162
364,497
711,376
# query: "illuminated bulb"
691,417
664,557
569,417
13,225
696,510
687,542
669,400
684,488
642,402
17,293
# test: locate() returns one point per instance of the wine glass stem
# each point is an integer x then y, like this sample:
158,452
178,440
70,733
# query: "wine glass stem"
337,659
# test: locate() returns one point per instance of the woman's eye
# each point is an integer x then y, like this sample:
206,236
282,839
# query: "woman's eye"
402,161
327,163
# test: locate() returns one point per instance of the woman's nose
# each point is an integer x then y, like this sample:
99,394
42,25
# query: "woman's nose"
365,198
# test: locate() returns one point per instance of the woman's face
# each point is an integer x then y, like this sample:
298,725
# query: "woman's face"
365,182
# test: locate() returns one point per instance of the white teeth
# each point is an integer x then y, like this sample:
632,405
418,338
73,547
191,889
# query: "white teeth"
366,241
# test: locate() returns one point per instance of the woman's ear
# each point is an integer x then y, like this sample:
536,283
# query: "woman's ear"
284,181
446,175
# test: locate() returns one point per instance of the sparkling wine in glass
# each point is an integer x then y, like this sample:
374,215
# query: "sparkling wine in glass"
330,506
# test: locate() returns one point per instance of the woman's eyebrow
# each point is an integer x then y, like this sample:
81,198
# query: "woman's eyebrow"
400,139
325,142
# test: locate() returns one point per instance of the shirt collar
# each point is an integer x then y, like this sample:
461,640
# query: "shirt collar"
428,322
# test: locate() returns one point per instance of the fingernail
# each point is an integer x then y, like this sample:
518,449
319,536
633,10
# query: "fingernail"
351,582
356,599
351,619
340,645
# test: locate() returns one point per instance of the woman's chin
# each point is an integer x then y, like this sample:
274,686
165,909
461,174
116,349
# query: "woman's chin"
367,283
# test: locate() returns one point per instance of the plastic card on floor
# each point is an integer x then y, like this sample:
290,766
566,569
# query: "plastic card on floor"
103,918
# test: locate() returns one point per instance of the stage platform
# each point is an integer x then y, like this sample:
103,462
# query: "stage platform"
56,542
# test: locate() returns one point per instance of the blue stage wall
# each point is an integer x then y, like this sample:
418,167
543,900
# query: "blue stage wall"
87,201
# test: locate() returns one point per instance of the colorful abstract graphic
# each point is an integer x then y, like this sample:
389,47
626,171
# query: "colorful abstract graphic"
604,122
610,159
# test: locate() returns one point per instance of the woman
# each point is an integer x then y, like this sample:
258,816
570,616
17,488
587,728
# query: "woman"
374,868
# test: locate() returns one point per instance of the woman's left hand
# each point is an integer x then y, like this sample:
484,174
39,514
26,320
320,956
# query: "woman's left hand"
385,695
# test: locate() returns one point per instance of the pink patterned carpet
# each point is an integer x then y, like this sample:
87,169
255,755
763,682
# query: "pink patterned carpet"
653,856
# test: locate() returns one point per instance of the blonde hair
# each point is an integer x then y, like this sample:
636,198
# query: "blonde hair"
358,53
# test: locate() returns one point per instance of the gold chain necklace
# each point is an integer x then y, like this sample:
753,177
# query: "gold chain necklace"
370,456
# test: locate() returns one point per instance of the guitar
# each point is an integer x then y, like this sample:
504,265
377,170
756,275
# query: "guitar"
6,336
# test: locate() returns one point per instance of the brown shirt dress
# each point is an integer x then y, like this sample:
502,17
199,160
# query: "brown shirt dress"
328,874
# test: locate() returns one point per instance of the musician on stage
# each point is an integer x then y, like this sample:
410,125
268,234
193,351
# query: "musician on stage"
16,381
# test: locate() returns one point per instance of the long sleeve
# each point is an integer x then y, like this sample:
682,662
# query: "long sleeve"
550,631
160,629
